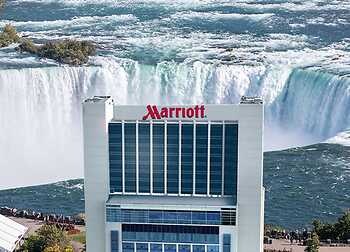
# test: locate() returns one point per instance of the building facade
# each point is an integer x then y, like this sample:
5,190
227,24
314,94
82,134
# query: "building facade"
173,178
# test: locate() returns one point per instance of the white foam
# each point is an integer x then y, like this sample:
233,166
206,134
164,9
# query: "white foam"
342,138
76,22
217,16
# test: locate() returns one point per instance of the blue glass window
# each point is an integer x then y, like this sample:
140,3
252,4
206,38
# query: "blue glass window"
184,217
213,218
156,247
226,243
170,233
184,248
144,157
130,157
128,247
201,158
156,216
141,247
158,158
115,157
187,158
116,214
198,217
213,248
198,248
114,241
173,158
169,247
216,134
231,153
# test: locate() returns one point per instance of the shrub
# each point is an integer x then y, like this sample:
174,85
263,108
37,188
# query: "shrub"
8,36
339,230
68,51
313,243
27,45
49,238
33,243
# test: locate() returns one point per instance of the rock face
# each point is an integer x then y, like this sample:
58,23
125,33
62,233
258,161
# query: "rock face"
9,35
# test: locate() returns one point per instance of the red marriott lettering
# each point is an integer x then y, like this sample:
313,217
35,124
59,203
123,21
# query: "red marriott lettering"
174,112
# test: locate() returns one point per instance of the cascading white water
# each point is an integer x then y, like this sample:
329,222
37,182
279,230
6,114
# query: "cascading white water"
40,108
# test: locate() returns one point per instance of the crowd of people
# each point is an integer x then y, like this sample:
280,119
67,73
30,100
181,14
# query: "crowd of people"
61,221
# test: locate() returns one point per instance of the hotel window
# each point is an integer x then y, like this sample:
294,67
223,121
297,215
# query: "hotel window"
187,158
114,241
216,134
141,247
115,157
144,157
173,158
231,152
227,243
201,158
128,247
130,156
158,158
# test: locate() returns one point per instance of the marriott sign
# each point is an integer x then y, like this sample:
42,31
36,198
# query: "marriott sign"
153,112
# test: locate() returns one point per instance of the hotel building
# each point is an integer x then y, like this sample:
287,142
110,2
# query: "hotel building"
173,178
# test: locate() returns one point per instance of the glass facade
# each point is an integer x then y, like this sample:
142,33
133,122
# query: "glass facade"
114,241
115,157
230,162
224,217
144,158
216,136
227,243
158,158
130,156
188,147
173,158
187,158
201,179
170,233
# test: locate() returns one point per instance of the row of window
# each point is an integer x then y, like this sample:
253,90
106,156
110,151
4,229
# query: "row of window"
225,217
168,247
172,158
171,233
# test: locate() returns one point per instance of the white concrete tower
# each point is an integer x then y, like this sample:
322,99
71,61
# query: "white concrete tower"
97,112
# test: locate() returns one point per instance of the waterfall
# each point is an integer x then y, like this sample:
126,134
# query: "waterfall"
40,108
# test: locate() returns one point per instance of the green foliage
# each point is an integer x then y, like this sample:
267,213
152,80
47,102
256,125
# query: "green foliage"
339,230
8,36
343,226
27,45
68,51
33,243
313,243
52,236
49,238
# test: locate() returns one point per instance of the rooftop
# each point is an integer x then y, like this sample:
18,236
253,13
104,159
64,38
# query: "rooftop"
97,99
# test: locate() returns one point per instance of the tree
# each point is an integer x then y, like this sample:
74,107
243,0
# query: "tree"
33,243
52,236
313,243
343,226
48,238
